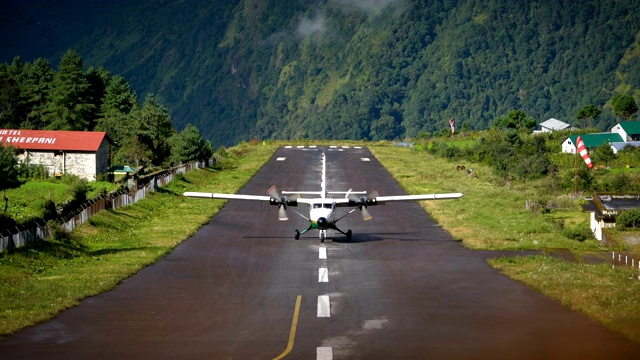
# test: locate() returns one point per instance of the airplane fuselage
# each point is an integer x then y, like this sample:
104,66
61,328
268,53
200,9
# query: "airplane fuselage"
322,214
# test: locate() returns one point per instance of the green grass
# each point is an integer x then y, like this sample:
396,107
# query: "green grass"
605,294
489,215
27,202
37,282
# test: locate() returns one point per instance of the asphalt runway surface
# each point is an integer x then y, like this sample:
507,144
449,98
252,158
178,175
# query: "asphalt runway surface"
243,288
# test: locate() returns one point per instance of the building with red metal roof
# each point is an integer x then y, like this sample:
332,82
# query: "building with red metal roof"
82,153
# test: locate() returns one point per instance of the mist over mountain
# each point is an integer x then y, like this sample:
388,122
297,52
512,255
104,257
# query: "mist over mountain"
377,69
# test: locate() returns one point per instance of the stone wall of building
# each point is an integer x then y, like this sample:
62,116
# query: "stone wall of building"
83,164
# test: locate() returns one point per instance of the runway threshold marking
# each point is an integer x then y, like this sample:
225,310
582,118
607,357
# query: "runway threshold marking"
323,306
324,353
294,327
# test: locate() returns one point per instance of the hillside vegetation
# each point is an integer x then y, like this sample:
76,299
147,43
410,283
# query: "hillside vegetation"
343,68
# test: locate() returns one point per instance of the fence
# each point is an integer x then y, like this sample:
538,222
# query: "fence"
112,201
620,259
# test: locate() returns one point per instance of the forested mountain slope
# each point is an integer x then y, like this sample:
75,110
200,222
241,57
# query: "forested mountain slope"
376,69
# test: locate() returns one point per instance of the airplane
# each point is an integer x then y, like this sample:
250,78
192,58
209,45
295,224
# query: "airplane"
322,207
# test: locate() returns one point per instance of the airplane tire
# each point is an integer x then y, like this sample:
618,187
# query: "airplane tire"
349,235
322,237
297,235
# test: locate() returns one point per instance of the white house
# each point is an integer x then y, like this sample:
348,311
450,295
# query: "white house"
628,130
590,141
552,125
82,153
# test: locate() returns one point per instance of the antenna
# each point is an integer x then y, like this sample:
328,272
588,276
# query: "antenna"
323,183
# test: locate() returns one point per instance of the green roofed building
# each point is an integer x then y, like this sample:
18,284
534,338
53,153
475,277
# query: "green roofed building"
620,135
628,130
590,141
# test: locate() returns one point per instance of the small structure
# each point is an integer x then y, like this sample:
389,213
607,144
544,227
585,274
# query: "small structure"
629,131
603,210
81,153
617,146
590,141
552,125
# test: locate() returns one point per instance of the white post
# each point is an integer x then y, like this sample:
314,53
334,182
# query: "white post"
613,259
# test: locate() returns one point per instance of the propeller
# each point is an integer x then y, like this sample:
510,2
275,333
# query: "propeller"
276,198
363,202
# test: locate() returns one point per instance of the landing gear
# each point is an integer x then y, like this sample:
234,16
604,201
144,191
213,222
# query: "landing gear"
297,235
323,235
349,235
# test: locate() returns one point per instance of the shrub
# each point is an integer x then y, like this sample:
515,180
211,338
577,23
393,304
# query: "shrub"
629,219
580,233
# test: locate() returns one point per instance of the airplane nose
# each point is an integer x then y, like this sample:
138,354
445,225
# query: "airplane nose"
322,222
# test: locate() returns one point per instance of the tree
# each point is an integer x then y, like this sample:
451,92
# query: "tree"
154,129
115,112
587,114
189,145
9,95
8,171
515,119
35,86
624,106
603,154
68,107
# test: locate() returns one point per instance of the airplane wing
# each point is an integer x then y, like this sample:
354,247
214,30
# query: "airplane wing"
227,196
381,199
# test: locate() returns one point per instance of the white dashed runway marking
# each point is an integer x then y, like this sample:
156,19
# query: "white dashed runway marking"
322,253
323,306
323,275
324,353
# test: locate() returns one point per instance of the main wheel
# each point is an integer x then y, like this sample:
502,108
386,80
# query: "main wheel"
349,235
297,235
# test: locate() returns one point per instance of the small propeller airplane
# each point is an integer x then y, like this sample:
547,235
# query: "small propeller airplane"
322,208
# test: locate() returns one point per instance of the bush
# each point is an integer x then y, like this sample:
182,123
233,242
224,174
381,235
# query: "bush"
581,233
629,219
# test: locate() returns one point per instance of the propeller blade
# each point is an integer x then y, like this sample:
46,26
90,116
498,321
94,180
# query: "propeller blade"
273,192
372,195
282,213
365,213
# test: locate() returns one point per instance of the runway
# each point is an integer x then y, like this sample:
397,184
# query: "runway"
243,288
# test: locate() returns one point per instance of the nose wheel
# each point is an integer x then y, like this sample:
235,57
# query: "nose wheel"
323,235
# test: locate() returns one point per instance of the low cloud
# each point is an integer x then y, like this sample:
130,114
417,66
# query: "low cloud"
311,26
372,7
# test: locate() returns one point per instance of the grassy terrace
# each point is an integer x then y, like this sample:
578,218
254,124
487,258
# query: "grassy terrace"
37,283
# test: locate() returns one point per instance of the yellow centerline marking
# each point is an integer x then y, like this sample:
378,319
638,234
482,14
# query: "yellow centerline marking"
294,326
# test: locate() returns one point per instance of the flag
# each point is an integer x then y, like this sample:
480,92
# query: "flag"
583,152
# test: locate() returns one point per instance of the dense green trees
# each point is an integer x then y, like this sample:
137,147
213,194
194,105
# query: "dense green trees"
334,69
8,171
624,106
35,96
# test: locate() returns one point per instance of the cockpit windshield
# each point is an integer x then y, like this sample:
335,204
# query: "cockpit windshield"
325,205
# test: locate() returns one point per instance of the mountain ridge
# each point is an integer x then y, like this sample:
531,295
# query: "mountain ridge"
379,69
